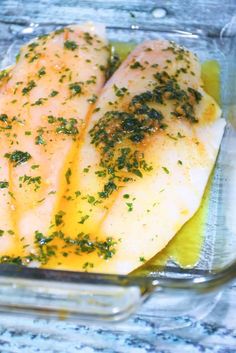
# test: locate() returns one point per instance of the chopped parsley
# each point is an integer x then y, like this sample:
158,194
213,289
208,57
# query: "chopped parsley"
4,184
86,170
53,93
75,88
93,99
39,101
87,265
68,175
18,157
83,219
47,248
130,206
5,120
126,196
91,199
120,92
136,65
59,218
67,126
88,38
70,45
36,181
39,140
166,170
4,74
142,259
34,57
35,166
28,88
42,71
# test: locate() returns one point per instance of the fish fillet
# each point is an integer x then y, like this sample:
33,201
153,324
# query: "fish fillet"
146,158
48,97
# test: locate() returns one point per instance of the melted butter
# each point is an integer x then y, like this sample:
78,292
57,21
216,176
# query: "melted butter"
185,247
122,49
211,78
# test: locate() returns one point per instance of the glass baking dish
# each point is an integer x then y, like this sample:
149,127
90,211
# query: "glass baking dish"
192,291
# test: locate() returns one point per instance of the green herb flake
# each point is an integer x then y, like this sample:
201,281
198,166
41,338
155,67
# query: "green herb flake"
11,194
87,265
88,38
28,133
126,196
4,184
92,99
130,206
166,170
142,259
18,157
39,101
35,166
68,175
136,65
51,119
15,260
28,88
75,88
91,199
39,140
86,170
83,219
4,74
53,93
35,57
59,218
36,181
33,45
108,189
120,92
42,71
70,45
67,126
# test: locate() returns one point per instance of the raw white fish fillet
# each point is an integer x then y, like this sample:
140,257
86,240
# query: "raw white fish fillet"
143,215
47,96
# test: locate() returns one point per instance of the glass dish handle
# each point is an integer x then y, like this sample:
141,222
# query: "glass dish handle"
62,299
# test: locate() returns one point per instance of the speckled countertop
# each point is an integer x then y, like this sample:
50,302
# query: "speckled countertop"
143,332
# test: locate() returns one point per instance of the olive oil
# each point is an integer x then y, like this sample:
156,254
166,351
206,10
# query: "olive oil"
211,78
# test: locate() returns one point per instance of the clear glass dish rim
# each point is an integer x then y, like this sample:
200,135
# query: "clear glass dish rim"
195,280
